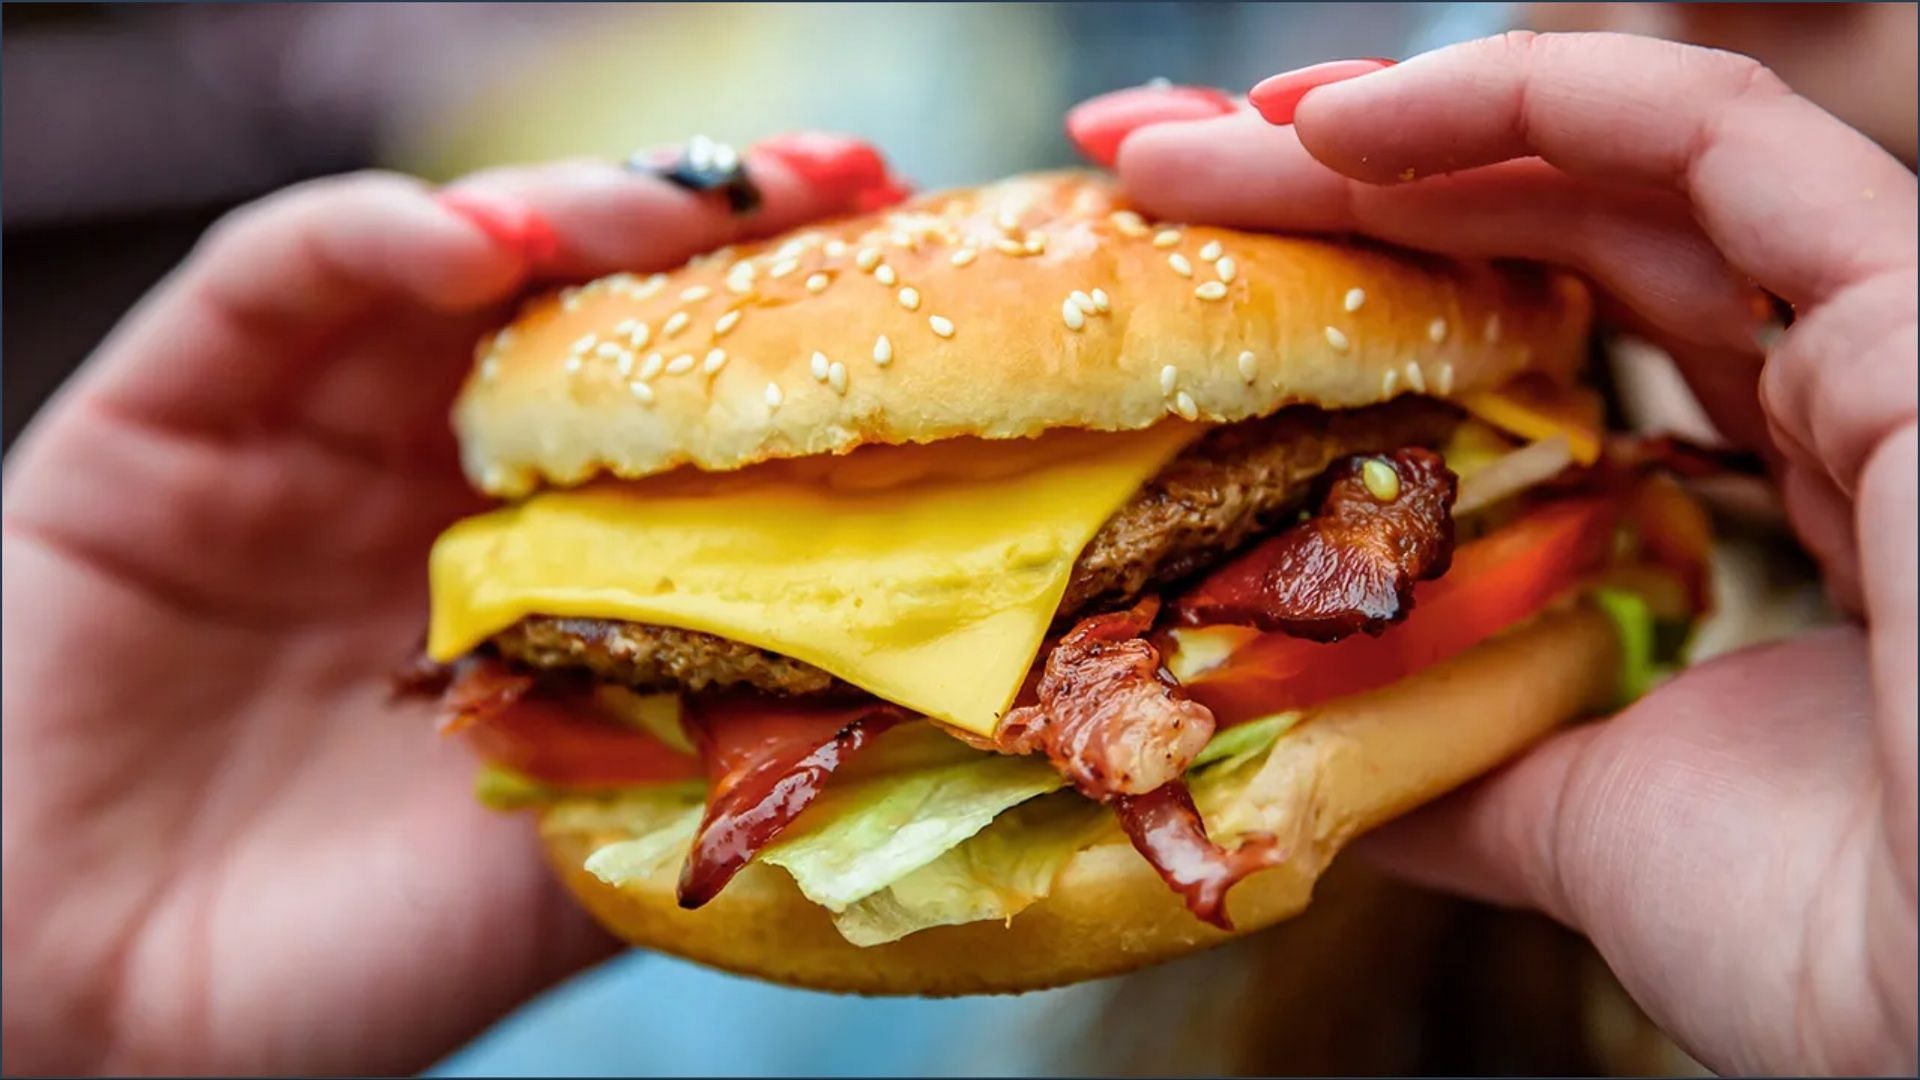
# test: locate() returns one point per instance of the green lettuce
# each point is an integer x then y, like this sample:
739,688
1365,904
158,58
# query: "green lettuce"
1640,669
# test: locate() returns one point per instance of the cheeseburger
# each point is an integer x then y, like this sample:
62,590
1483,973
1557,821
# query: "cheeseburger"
1006,589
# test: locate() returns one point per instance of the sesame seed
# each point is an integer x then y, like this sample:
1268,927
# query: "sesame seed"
903,239
585,343
1036,242
885,275
1247,364
1184,405
675,323
1416,380
817,283
835,248
783,268
725,322
1128,222
1007,220
639,337
910,298
819,367
624,327
964,256
882,351
651,365
791,249
1166,238
1336,339
1227,268
837,377
570,299
490,369
625,365
695,294
1211,290
1082,301
1437,331
1210,251
1071,314
1354,298
740,278
1180,264
867,259
1388,381
1382,481
716,359
653,284
1169,378
1100,301
1007,246
1443,380
1493,327
641,392
573,364
773,395
941,325
681,364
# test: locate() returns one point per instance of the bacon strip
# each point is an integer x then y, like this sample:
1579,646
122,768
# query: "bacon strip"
767,760
480,688
1352,566
1108,716
1166,828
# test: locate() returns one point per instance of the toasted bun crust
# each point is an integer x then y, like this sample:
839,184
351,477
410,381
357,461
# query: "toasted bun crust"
1350,766
989,344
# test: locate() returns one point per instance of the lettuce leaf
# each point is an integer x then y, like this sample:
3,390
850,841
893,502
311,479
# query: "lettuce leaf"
1633,620
858,838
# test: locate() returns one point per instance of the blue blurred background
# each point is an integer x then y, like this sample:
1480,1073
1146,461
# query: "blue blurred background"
128,128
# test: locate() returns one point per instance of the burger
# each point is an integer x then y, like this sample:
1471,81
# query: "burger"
1005,589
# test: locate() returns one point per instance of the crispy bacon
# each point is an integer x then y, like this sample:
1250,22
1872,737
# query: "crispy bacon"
1681,457
1351,566
766,759
1108,716
479,688
1166,828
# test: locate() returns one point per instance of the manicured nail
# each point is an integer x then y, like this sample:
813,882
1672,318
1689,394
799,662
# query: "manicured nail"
1099,125
829,162
880,196
1277,97
507,221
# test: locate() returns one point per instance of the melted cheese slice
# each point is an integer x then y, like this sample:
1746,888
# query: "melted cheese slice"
925,575
1534,409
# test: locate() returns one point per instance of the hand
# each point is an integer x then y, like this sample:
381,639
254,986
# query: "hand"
225,850
1740,844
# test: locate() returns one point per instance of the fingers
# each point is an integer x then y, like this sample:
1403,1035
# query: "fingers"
231,332
1098,125
1836,208
1676,834
1642,246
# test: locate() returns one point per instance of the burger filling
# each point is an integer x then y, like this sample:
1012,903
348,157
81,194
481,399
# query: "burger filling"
1262,569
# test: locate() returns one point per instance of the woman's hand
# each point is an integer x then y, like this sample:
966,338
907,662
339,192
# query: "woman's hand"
1740,844
225,850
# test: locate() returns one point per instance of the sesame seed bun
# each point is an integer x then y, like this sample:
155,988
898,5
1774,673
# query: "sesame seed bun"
1001,311
1349,766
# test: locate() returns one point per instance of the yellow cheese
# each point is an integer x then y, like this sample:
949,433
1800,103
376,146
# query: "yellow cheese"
1535,409
925,575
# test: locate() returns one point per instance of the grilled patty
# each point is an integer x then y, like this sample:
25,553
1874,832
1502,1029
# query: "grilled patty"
1235,482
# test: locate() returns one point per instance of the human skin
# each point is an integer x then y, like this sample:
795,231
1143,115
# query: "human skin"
224,849
1740,844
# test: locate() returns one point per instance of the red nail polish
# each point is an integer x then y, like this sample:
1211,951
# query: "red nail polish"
827,161
880,196
506,221
1099,125
1277,97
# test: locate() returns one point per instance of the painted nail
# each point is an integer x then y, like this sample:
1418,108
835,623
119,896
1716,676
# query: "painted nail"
879,196
1277,97
507,221
828,161
1099,125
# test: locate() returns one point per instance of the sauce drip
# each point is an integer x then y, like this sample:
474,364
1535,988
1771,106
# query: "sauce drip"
1166,828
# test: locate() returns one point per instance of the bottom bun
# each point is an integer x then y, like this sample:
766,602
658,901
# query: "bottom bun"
1348,766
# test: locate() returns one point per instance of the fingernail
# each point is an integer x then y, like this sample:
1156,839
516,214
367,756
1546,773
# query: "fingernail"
828,161
1276,97
1099,125
507,221
880,196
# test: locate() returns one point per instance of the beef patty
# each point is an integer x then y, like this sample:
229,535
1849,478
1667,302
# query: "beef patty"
1236,481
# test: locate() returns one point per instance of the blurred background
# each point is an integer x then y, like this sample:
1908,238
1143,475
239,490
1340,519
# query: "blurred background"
126,129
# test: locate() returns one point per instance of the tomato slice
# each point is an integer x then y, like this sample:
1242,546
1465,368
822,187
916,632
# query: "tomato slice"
1495,582
568,741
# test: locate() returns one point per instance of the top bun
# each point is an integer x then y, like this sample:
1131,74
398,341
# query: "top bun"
1001,311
